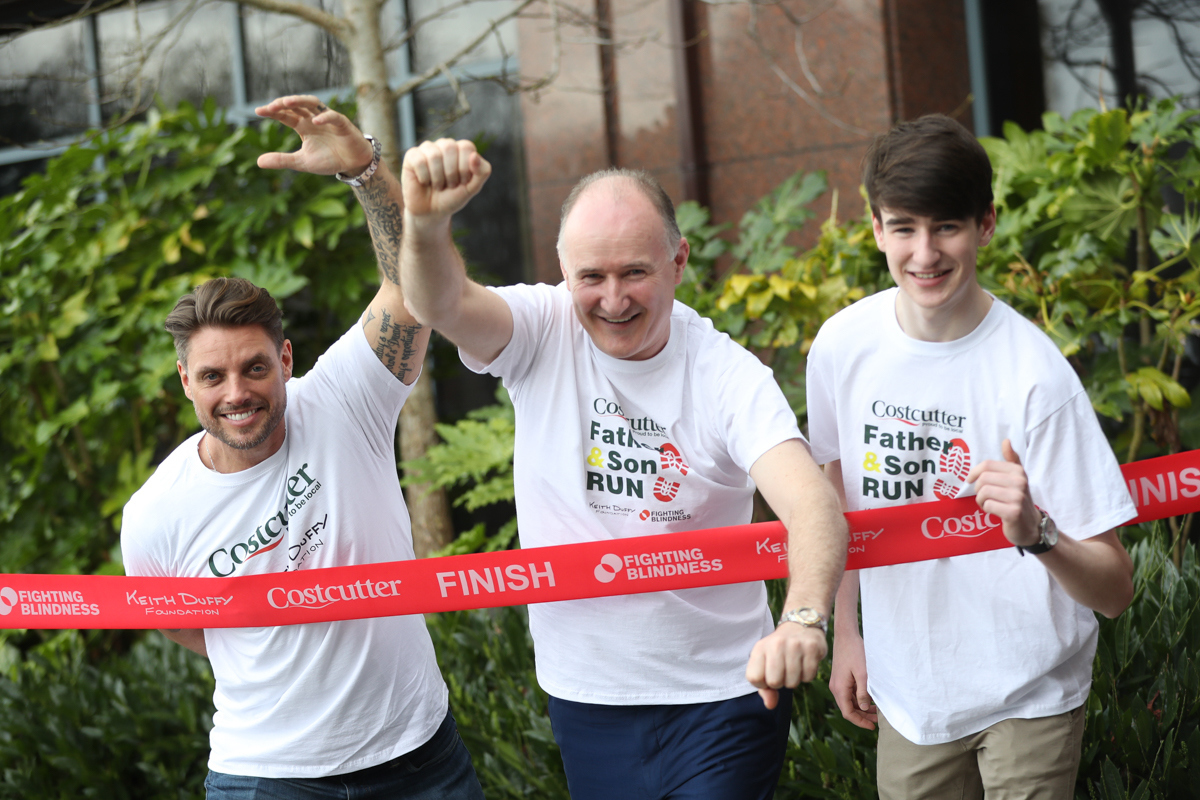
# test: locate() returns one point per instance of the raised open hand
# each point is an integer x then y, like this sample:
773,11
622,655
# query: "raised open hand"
330,141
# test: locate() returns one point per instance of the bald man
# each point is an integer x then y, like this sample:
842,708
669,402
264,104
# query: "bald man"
635,417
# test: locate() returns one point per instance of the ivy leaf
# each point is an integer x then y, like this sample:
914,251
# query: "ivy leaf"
327,207
302,229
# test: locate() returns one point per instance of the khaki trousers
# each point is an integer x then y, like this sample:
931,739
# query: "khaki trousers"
1015,759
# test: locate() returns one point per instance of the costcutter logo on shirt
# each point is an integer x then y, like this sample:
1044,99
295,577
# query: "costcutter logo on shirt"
662,564
300,488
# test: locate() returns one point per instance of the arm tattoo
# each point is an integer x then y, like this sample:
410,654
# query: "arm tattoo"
396,347
384,219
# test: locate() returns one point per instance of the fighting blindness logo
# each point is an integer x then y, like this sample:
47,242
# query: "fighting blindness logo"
663,564
608,568
8,600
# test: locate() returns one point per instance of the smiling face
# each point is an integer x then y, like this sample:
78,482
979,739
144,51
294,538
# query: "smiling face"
621,270
235,379
933,263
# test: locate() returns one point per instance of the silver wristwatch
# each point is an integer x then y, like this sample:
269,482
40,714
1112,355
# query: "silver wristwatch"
808,617
376,152
1047,537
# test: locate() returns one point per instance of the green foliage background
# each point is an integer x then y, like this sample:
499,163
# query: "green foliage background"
94,253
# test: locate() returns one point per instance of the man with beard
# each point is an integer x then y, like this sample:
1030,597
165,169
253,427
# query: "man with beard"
294,474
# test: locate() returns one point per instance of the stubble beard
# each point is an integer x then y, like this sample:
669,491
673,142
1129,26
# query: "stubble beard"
215,429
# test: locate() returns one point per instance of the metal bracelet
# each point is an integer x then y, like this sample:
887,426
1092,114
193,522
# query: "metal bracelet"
376,151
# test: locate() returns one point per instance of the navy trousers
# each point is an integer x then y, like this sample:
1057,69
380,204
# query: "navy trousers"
726,750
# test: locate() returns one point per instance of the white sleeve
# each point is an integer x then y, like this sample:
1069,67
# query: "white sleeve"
753,411
536,311
819,385
143,543
1073,473
351,383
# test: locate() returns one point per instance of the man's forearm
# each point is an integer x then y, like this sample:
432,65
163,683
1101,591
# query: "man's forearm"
396,338
382,203
817,541
433,272
845,609
1096,572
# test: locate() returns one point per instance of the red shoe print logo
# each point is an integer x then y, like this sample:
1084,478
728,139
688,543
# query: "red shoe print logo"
665,490
954,465
671,459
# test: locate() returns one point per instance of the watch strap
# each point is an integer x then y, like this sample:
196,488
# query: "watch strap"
376,152
1046,540
808,617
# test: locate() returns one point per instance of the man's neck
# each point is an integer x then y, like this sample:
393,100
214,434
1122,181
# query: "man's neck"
947,322
220,457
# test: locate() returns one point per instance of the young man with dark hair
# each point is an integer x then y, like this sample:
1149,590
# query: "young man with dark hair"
290,474
976,668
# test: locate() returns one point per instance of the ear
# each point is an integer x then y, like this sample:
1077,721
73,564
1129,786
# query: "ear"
681,257
285,358
987,225
563,269
183,378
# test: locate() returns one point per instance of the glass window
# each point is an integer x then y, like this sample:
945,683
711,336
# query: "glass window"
491,225
175,48
43,85
286,55
447,26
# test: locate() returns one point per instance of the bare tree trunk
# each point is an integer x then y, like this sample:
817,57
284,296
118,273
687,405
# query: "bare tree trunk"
430,511
1119,16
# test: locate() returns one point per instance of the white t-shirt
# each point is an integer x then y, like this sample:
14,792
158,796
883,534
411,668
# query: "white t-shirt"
302,701
609,448
955,645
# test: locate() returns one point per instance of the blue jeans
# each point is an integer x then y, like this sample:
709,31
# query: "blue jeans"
727,750
440,768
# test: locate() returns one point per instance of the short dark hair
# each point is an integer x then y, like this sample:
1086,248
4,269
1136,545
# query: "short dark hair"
931,166
645,183
223,303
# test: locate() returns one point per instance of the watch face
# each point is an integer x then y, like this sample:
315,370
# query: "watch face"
808,616
1048,531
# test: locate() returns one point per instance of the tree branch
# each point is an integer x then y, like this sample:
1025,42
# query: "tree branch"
334,25
429,74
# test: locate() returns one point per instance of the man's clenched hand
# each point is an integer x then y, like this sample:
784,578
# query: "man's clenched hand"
787,657
439,178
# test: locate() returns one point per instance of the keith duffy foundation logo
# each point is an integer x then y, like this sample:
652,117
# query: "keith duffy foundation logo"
608,568
8,600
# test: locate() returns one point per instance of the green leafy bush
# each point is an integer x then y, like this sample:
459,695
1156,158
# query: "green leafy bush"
1086,247
92,260
133,725
1143,715
487,660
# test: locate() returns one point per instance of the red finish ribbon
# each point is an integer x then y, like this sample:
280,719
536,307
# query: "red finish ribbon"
1161,487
